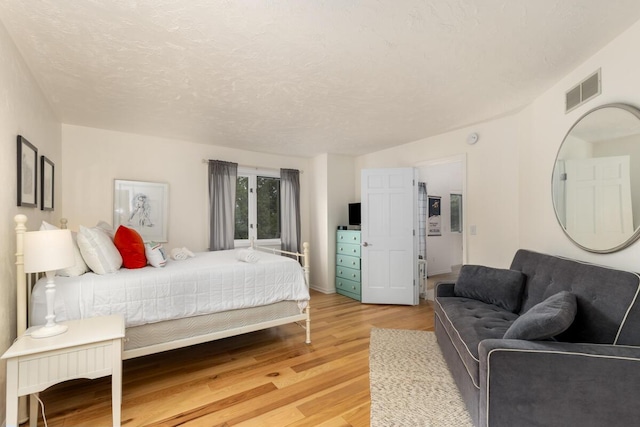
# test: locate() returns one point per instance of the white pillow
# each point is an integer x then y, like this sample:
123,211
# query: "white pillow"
155,254
106,227
79,267
98,251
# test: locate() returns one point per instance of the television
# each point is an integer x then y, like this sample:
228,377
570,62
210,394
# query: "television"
354,213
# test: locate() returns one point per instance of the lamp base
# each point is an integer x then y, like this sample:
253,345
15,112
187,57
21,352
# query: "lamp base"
49,331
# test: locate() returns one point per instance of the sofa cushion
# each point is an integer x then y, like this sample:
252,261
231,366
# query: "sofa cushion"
469,321
546,319
491,285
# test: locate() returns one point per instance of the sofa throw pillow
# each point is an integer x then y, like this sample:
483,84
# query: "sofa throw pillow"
98,251
79,267
156,256
495,286
131,247
546,319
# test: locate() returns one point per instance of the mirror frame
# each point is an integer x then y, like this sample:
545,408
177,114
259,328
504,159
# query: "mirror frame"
636,234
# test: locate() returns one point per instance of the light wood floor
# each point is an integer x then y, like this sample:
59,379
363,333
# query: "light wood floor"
265,378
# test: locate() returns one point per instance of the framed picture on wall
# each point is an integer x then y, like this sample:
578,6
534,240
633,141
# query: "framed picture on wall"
434,220
142,206
46,184
27,173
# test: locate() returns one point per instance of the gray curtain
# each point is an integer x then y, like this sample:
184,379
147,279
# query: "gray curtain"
290,209
222,204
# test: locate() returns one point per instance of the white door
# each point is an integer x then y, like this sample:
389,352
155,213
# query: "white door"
598,192
389,244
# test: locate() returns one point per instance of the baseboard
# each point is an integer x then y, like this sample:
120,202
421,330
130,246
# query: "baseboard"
431,295
323,291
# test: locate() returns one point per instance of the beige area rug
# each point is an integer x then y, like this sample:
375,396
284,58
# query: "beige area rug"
410,382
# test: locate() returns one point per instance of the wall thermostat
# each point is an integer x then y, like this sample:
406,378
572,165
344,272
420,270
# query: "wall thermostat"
472,138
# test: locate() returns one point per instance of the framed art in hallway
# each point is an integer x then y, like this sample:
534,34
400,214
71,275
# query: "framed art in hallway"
434,219
142,206
46,184
27,156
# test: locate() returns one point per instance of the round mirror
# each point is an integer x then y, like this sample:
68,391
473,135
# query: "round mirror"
596,179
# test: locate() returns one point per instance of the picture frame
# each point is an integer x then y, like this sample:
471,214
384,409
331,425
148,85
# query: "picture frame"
47,169
27,183
143,206
434,217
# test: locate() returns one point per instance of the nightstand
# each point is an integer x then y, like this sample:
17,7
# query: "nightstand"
91,348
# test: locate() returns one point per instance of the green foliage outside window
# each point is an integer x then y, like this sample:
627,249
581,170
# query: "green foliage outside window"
260,205
268,207
242,208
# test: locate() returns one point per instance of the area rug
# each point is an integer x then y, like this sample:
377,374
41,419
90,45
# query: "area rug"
410,382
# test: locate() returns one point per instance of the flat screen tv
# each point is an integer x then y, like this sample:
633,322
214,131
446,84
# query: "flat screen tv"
354,213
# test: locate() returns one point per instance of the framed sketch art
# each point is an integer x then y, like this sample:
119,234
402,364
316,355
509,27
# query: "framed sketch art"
142,206
27,173
46,184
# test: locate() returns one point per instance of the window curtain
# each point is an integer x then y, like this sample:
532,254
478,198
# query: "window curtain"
290,209
222,204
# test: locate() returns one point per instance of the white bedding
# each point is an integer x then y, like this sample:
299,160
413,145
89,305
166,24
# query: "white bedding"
208,283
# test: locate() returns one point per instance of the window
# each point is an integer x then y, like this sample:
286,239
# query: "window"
257,207
456,213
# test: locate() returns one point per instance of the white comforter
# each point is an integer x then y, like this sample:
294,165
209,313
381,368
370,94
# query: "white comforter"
211,282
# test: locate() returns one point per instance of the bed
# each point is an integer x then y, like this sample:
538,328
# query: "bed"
210,296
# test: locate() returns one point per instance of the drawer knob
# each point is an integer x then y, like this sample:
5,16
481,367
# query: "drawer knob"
353,287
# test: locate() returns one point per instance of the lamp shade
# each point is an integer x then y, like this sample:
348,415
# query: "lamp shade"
48,250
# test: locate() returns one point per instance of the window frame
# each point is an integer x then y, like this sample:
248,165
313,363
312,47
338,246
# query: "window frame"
252,174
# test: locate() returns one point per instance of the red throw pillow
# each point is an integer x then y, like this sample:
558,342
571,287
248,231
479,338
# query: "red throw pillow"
131,247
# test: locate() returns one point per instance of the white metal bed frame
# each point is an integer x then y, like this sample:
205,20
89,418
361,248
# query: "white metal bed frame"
25,283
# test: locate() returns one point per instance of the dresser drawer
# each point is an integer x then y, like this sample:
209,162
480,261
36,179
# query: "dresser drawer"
348,261
348,249
348,285
348,236
348,273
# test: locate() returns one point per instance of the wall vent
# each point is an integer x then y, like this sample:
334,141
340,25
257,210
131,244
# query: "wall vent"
583,91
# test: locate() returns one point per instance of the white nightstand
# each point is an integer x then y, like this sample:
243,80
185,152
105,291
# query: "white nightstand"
91,348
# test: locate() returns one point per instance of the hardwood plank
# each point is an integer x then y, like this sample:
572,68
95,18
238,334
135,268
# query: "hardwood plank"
264,378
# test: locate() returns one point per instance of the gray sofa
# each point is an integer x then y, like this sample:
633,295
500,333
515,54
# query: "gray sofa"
572,352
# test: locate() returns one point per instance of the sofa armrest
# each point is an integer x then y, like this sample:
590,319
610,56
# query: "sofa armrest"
445,289
527,383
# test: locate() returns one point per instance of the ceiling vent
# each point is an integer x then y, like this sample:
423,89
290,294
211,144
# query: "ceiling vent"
584,91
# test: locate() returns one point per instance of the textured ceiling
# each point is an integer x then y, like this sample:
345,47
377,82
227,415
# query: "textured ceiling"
303,77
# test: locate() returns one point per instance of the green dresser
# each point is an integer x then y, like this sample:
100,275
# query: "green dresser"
348,263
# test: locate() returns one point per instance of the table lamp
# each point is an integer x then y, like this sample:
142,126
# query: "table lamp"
47,251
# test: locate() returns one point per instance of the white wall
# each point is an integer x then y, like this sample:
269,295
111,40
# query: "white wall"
443,251
94,158
620,83
319,225
23,111
509,169
332,188
492,202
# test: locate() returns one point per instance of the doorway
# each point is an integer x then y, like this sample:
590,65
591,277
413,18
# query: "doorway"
445,243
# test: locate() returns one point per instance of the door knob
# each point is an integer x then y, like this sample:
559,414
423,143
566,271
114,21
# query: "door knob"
365,244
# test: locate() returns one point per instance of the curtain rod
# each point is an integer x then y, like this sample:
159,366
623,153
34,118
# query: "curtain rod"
252,167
